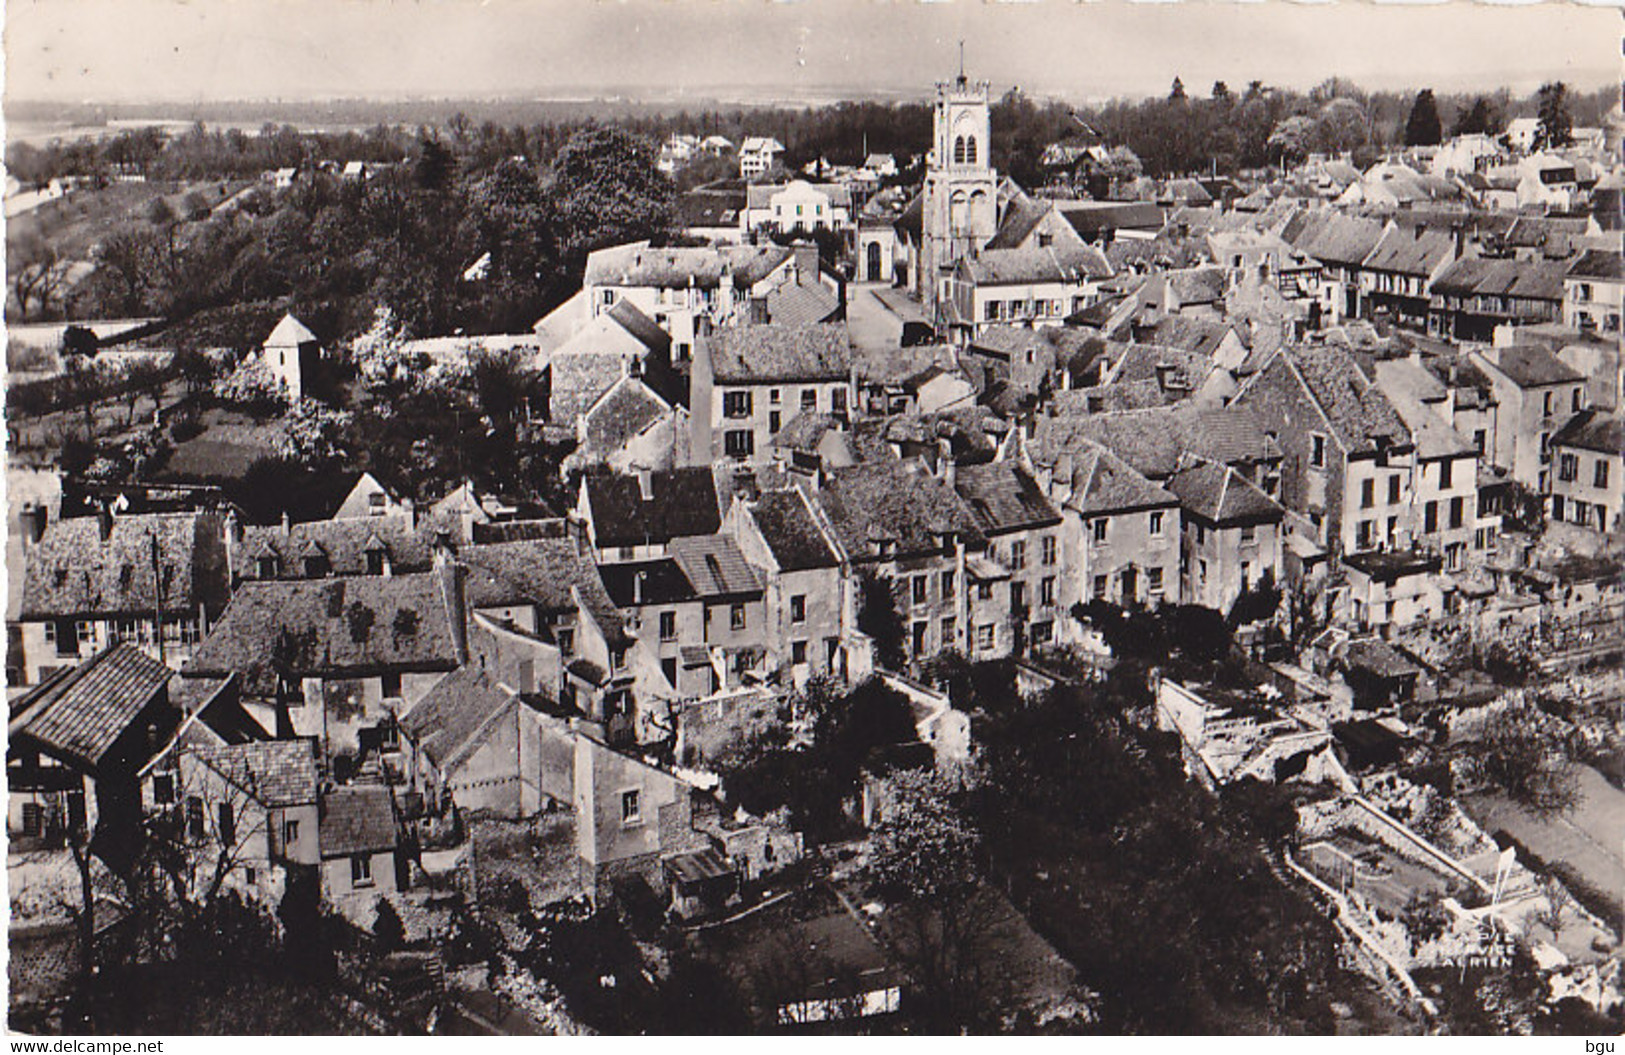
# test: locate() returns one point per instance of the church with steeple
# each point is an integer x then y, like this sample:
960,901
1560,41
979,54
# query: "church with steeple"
959,207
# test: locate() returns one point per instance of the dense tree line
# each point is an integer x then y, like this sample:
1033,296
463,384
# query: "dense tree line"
406,240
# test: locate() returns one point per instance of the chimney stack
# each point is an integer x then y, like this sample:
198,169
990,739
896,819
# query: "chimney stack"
637,586
35,519
646,484
104,520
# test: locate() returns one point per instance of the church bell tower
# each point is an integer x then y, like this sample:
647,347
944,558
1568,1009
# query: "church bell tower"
960,210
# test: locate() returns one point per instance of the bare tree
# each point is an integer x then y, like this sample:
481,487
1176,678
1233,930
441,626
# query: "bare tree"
39,276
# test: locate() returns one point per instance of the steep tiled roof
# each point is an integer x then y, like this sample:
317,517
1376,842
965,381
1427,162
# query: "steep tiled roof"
580,379
446,722
82,712
787,524
648,332
1599,263
760,195
357,820
1155,440
1003,497
289,333
1011,267
344,543
1594,430
766,352
73,571
536,572
339,627
1220,495
1018,222
1531,366
1355,408
639,265
715,566
1334,238
895,502
801,304
805,430
1198,285
632,583
620,415
1402,251
1530,279
1202,336
1104,483
1091,218
1407,384
275,772
681,502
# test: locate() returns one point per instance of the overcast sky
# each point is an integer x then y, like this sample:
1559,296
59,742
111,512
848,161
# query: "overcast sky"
131,50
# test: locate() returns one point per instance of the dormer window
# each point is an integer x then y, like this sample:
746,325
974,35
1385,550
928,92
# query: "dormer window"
317,566
265,567
377,559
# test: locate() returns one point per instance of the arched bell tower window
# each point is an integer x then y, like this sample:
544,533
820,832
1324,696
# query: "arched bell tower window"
970,151
959,150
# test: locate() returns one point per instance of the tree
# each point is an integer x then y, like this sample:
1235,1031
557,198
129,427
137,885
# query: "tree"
1341,126
37,277
607,191
1478,119
879,618
313,433
1291,139
1521,750
1176,93
1422,128
387,928
1221,92
1556,124
924,858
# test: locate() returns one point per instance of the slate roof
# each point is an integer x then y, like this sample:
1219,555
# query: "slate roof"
447,721
80,713
357,820
638,264
275,773
1599,263
345,544
332,628
1220,495
1149,362
791,532
682,502
1531,366
1408,385
896,502
1004,497
805,430
766,352
72,571
1013,267
912,219
1401,251
715,566
1594,430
